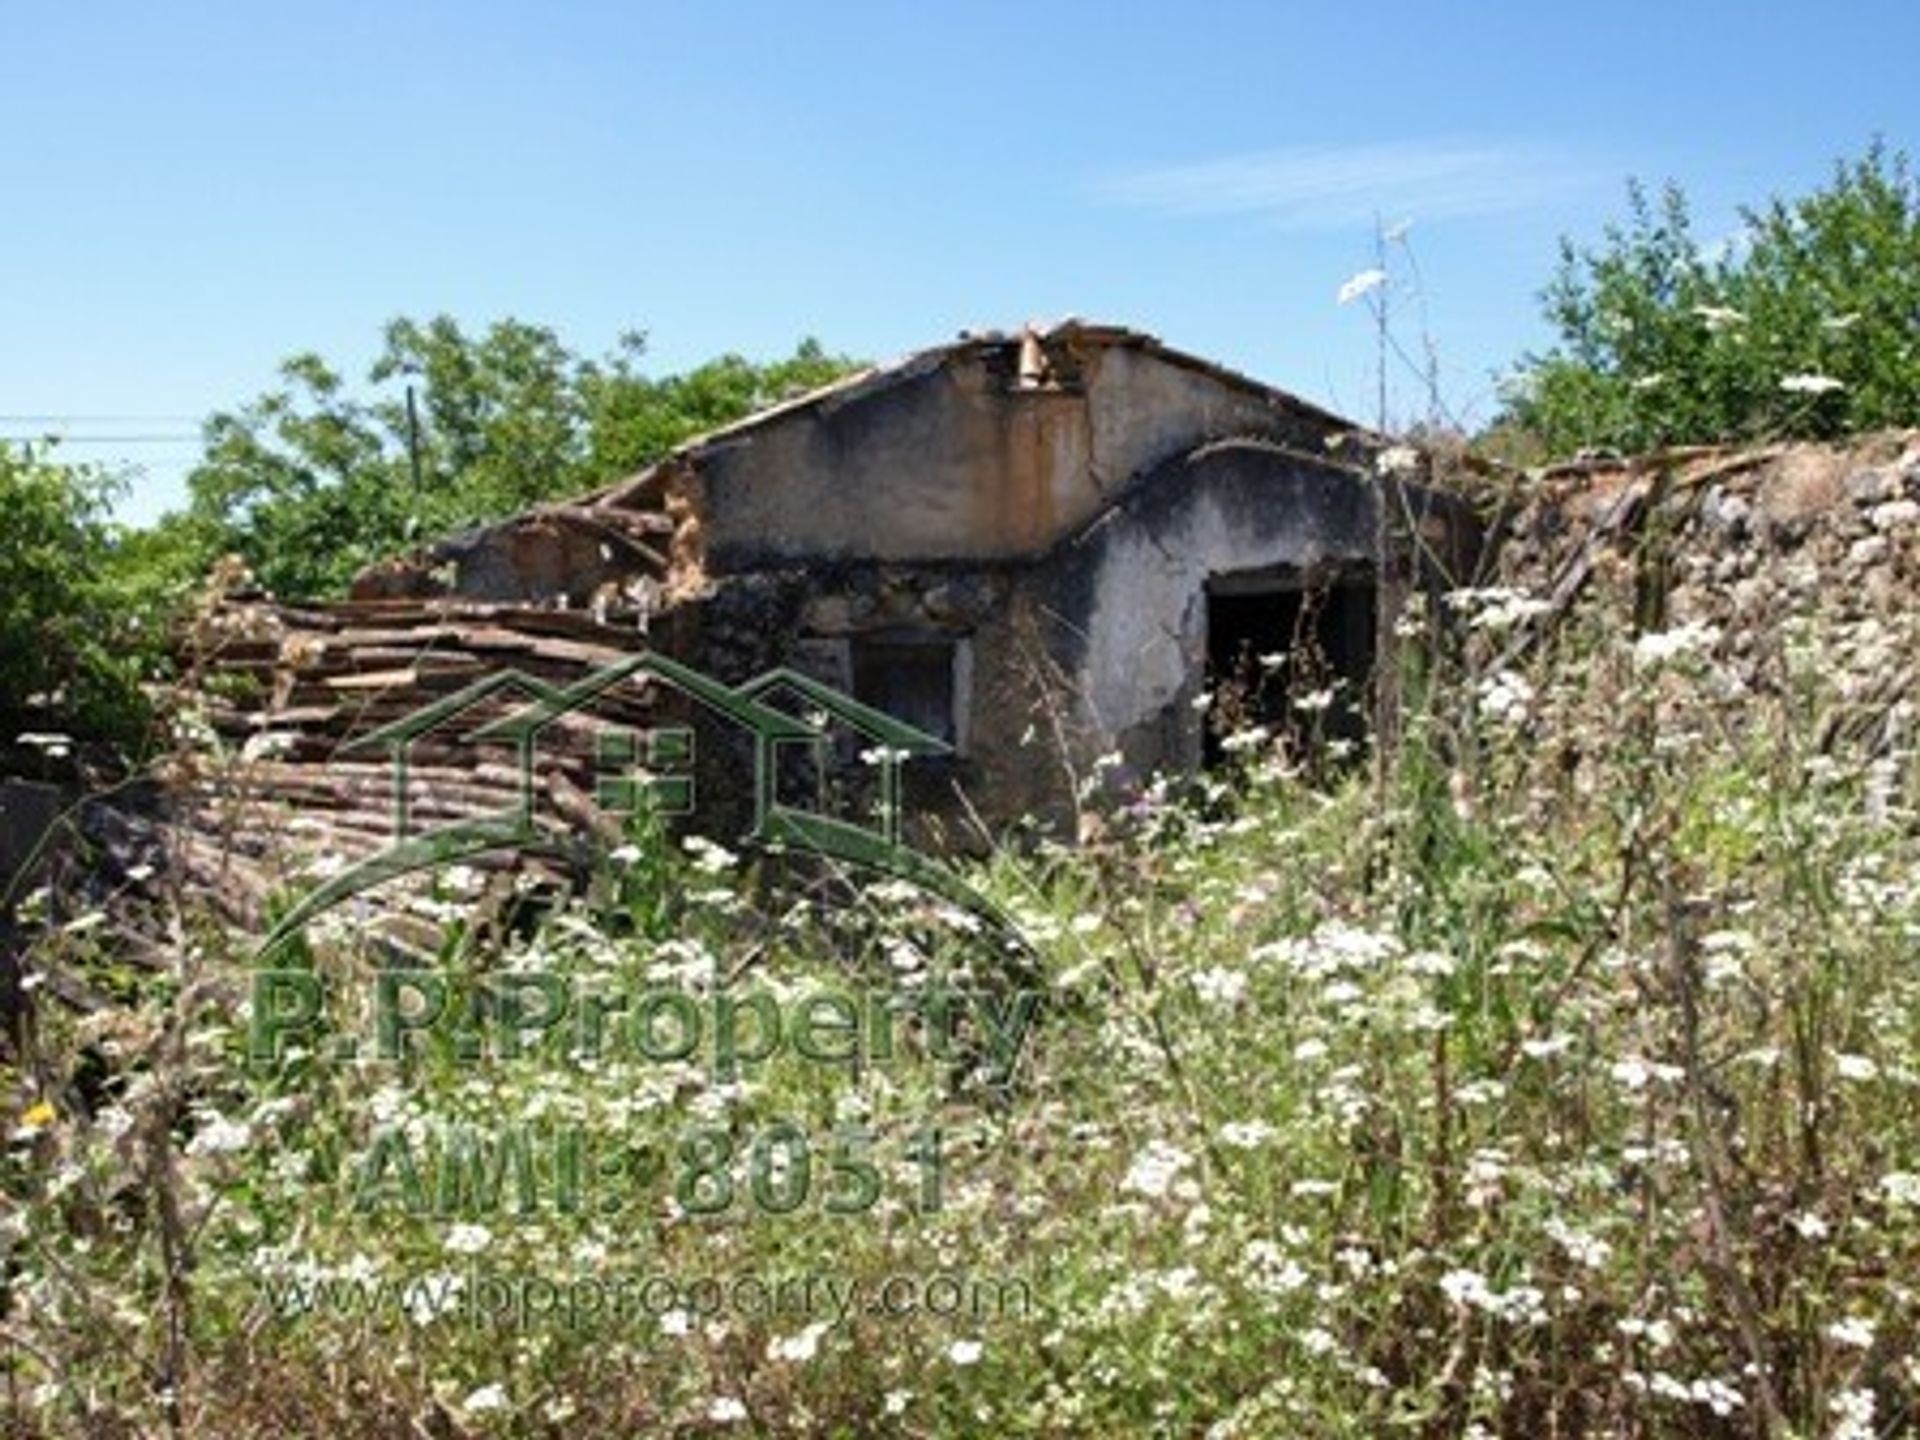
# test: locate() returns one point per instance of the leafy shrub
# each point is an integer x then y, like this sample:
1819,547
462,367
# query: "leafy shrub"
78,624
1804,324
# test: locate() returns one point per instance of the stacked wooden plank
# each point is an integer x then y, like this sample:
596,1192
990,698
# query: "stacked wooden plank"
289,689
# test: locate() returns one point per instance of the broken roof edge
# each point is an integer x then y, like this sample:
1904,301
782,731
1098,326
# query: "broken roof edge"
1126,500
883,376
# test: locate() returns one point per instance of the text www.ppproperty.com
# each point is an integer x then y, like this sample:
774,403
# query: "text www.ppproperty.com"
488,1299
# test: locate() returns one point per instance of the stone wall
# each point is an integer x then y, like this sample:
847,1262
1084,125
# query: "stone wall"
1808,546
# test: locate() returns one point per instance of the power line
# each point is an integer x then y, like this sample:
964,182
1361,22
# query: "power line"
101,419
40,436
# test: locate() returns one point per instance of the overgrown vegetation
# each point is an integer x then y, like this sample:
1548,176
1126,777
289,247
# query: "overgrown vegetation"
1804,323
76,607
1557,1079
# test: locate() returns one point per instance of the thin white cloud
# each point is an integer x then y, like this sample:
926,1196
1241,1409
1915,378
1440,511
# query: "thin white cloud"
1323,187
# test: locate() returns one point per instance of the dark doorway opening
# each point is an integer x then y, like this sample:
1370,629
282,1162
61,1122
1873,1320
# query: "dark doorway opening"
1293,654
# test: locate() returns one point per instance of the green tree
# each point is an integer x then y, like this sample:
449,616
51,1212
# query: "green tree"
314,480
76,617
1806,324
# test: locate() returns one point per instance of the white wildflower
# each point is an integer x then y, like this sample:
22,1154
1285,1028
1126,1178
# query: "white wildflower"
1583,1249
709,856
965,1352
1853,1332
1155,1169
1661,645
1332,948
1399,460
486,1398
1219,986
798,1347
1272,1270
266,745
54,746
1853,1412
1251,738
1504,609
1724,951
468,1239
1811,384
1716,1395
1657,1332
1246,1134
1901,1187
1467,1287
726,1410
1526,1304
1809,1226
1178,1283
1855,1067
1631,1072
1314,701
1485,1176
1430,962
1506,695
1483,1091
220,1136
1364,283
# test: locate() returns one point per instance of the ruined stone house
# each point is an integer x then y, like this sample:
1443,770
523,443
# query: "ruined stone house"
1042,548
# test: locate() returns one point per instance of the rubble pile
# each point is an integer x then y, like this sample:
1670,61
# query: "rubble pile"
287,690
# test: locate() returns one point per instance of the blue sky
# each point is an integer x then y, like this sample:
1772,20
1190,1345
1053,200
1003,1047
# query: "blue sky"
197,190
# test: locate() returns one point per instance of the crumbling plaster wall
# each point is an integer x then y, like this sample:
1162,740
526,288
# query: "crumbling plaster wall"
1097,645
963,460
1059,527
1130,594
